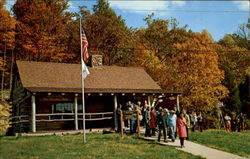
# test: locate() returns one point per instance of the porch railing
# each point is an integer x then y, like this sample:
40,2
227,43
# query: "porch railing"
71,116
14,119
58,117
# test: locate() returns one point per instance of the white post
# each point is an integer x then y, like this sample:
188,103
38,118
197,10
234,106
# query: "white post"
149,102
115,110
178,102
33,119
76,115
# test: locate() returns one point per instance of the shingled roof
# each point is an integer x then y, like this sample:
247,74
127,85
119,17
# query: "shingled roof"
62,77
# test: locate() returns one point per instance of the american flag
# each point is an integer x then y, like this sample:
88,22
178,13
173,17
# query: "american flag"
85,53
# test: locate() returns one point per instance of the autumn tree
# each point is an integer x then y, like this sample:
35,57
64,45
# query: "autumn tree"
155,44
108,35
161,35
182,61
40,31
72,32
7,34
7,28
197,63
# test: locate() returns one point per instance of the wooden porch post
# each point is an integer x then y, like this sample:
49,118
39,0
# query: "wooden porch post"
138,123
76,110
115,110
121,122
149,102
33,111
178,102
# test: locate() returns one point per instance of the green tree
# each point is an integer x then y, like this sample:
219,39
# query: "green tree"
245,95
242,37
233,101
161,35
234,60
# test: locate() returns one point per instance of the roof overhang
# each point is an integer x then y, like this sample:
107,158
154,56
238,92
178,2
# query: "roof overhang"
98,90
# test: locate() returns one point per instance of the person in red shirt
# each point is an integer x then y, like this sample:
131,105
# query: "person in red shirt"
181,127
153,121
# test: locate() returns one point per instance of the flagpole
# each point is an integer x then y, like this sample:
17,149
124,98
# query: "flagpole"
83,101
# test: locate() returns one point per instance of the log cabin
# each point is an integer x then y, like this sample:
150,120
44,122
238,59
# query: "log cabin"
49,95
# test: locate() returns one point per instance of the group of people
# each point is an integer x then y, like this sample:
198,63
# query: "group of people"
163,121
196,121
234,123
170,122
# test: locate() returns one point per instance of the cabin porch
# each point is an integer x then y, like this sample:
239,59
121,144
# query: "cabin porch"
63,111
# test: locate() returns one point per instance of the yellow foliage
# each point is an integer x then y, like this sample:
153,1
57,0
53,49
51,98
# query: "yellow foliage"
1,63
234,59
4,113
193,70
199,76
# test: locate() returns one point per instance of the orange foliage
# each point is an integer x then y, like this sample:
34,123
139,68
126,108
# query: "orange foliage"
198,73
193,70
7,28
41,30
233,59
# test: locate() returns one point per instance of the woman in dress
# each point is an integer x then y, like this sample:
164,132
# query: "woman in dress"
181,127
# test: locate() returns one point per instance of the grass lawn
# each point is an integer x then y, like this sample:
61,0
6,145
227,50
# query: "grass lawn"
106,146
235,142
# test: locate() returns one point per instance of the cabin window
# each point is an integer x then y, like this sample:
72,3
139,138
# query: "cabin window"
79,108
65,108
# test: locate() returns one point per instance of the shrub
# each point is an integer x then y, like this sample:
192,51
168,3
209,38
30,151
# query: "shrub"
247,124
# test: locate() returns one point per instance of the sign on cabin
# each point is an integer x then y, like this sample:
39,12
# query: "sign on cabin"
127,114
53,99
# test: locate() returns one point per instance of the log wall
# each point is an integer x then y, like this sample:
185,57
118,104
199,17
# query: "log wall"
21,100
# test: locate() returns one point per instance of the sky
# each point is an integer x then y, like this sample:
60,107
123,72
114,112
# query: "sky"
218,17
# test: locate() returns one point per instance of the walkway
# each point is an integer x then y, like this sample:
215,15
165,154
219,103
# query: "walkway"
197,149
